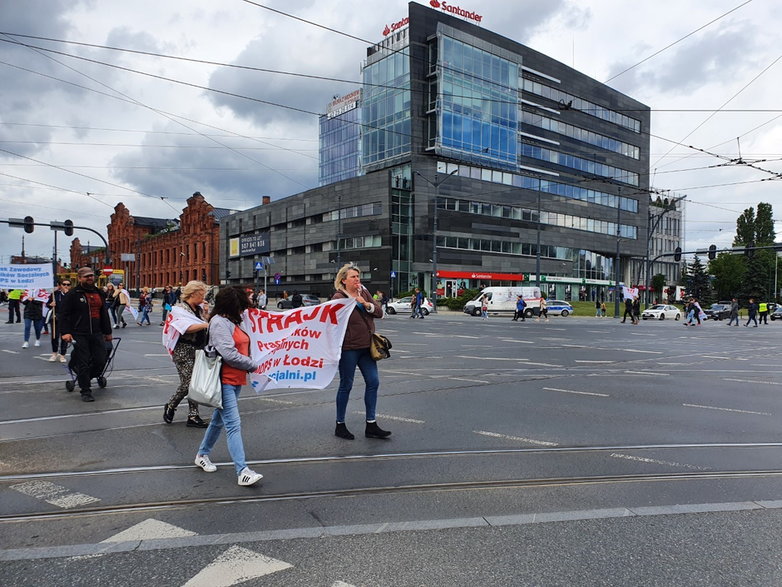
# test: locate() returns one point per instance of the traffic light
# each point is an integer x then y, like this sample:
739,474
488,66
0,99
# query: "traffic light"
29,224
750,249
712,251
68,227
677,254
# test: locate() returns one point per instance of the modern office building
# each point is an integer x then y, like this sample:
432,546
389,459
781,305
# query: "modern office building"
482,162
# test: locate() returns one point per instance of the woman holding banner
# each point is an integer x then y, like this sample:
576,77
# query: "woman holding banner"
355,351
189,322
233,345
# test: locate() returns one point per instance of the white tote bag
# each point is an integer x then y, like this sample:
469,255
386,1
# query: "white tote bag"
205,387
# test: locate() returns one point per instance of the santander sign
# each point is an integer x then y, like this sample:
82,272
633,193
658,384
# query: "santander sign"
444,6
457,10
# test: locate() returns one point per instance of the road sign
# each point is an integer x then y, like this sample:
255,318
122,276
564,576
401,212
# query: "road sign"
393,274
107,270
277,277
258,266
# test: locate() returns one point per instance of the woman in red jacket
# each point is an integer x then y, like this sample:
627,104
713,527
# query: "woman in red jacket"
355,351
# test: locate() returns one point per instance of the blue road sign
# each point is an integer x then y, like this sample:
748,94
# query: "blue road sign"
258,266
393,274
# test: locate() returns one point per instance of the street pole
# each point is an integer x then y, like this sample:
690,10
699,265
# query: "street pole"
436,185
616,258
537,245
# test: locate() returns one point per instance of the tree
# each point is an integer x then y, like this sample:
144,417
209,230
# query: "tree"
658,284
699,284
729,271
756,280
745,228
764,225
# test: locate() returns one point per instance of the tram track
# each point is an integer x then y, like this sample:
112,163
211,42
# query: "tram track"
425,486
551,482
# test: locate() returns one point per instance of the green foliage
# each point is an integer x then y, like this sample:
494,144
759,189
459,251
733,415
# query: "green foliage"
755,284
699,284
729,271
457,303
745,228
658,285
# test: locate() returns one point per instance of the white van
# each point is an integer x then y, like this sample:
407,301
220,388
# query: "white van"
503,299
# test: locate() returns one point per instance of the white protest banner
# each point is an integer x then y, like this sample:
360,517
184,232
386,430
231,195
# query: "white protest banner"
36,295
629,293
299,347
34,276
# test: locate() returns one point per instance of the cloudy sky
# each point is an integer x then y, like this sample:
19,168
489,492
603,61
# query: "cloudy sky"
83,128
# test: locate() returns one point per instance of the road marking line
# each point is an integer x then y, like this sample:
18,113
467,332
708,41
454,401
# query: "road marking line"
236,565
54,494
277,401
157,355
587,361
517,438
576,392
617,455
513,340
640,351
150,529
715,357
648,373
751,381
396,418
727,409
9,351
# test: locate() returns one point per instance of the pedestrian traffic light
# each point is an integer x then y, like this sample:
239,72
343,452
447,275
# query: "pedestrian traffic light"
68,227
677,254
29,224
712,251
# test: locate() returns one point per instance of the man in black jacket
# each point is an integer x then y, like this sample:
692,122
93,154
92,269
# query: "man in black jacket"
84,321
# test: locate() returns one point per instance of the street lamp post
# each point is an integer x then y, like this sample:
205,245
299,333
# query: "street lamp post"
436,185
616,258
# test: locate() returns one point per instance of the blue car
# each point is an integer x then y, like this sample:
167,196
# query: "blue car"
559,308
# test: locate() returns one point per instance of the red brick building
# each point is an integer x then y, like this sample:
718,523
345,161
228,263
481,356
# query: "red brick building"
166,250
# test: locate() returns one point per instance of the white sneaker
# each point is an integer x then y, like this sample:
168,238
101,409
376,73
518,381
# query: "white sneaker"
204,462
249,477
53,358
37,343
62,358
26,345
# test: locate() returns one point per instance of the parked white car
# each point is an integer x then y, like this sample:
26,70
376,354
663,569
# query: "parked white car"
661,312
402,306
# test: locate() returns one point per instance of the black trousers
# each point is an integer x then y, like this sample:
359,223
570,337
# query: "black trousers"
58,344
13,308
87,358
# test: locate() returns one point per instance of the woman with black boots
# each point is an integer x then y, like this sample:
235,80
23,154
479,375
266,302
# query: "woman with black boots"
355,351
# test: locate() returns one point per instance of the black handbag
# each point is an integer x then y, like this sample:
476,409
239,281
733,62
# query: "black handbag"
380,347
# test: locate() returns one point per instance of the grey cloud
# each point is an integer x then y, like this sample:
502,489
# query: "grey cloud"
712,57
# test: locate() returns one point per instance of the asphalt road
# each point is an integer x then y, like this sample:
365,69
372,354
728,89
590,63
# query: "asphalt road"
574,451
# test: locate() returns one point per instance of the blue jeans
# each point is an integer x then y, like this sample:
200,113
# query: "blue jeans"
347,371
228,417
37,324
144,315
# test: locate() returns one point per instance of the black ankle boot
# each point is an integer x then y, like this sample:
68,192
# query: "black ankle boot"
343,432
375,431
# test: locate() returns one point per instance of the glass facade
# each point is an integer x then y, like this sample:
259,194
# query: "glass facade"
476,104
340,147
385,110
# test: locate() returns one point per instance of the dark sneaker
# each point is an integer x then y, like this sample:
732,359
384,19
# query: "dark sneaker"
196,422
168,414
86,396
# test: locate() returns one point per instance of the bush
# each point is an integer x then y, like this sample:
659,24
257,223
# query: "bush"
458,302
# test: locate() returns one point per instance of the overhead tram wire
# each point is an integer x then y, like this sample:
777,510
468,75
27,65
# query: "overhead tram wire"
656,53
713,114
139,103
319,77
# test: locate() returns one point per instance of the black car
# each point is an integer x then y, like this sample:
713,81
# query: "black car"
306,300
718,311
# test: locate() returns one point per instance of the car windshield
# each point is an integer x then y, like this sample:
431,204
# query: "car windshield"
658,307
